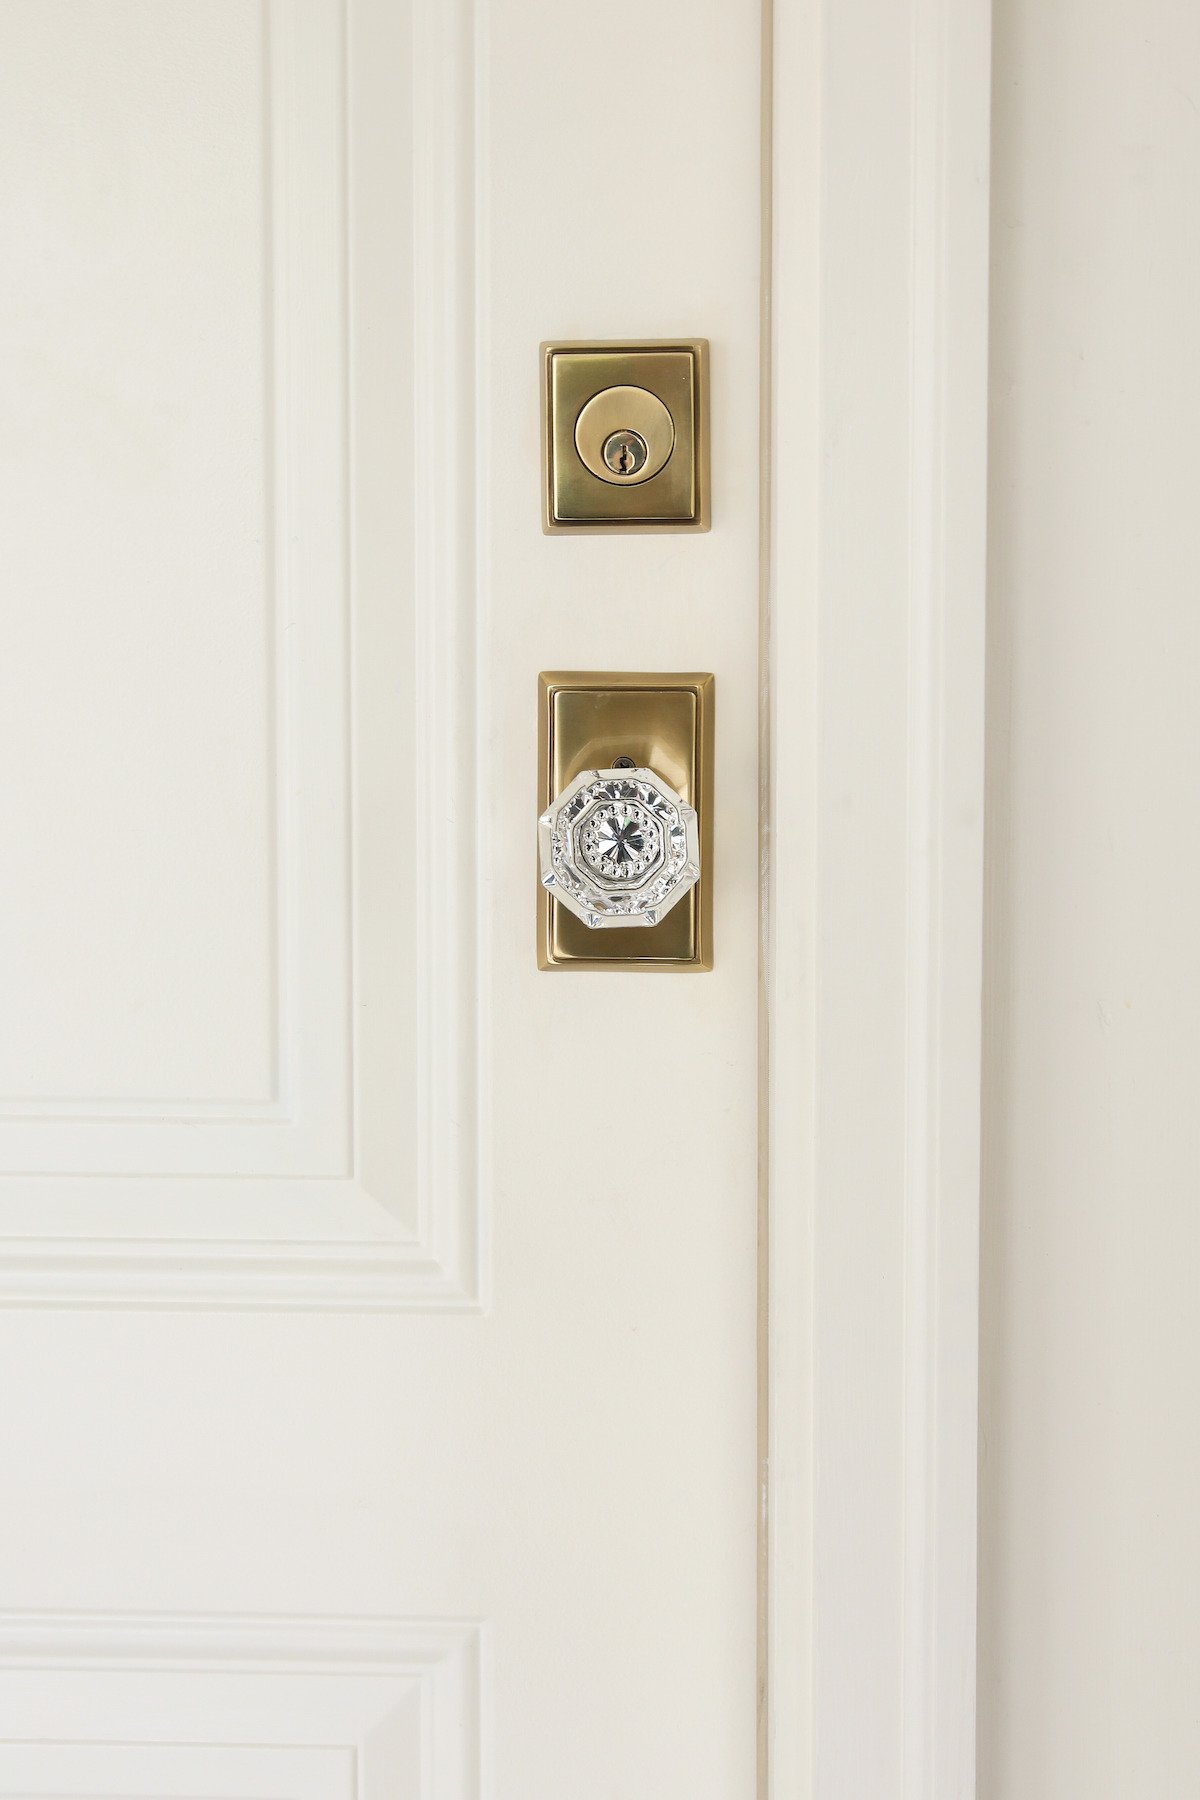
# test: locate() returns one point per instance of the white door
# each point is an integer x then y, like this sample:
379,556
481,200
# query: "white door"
379,1332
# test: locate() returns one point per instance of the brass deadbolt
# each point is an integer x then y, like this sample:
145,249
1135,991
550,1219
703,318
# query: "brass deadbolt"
625,434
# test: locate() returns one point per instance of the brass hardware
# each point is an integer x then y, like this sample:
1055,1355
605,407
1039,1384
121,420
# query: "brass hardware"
625,436
662,722
626,454
624,412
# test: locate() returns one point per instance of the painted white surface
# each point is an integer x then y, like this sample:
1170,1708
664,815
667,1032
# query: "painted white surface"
354,1273
876,745
271,777
1090,1471
192,1706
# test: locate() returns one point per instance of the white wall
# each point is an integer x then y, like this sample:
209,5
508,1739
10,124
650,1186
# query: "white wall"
1090,1442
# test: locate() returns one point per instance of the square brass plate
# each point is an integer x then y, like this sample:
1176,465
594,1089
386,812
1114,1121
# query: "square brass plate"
665,723
674,499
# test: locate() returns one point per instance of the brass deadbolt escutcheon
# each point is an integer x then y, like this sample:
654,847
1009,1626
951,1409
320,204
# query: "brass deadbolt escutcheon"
625,436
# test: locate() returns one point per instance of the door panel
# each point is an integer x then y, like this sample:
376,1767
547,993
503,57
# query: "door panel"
196,1707
384,1308
228,980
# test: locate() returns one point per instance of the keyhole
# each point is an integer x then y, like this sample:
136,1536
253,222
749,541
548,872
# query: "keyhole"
625,452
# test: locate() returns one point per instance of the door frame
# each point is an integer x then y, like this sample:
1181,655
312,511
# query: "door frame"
876,152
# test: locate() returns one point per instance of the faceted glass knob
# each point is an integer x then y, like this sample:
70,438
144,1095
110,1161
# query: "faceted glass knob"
619,847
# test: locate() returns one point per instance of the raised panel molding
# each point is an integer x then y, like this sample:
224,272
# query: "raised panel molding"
357,1184
315,1709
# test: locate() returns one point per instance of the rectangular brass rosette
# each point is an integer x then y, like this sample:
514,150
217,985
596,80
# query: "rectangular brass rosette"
625,828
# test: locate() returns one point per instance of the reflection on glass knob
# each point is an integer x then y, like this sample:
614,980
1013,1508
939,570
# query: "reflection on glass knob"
619,847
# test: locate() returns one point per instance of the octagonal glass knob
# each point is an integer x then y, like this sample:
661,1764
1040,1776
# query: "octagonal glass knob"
619,847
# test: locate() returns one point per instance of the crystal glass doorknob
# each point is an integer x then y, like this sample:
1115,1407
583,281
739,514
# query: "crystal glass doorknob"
619,847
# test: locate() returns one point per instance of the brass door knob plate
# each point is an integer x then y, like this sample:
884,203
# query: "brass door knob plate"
625,827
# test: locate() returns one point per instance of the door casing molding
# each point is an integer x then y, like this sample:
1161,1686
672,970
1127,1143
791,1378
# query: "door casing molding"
873,652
